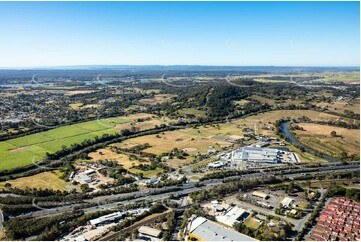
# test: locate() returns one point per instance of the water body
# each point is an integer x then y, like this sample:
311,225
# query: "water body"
293,140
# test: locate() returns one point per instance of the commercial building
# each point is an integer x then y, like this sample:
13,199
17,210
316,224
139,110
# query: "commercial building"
216,164
148,231
106,218
287,202
85,178
260,195
235,214
202,229
242,156
88,172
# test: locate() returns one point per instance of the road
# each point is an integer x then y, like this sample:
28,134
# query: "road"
1,220
298,223
112,201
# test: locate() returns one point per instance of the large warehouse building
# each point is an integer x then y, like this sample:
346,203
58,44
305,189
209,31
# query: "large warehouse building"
202,229
240,157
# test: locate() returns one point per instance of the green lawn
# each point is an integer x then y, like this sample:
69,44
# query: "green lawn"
32,148
251,223
147,174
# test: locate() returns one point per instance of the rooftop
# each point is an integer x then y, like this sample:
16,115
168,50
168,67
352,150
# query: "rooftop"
211,231
149,231
233,215
106,218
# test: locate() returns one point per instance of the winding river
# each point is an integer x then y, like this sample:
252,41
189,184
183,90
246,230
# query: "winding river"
293,140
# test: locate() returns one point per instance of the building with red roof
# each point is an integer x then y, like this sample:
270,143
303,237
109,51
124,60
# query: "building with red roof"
340,220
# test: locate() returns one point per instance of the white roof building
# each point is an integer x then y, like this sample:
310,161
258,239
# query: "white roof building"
260,194
216,164
233,215
150,231
205,230
106,218
85,177
253,154
287,201
88,172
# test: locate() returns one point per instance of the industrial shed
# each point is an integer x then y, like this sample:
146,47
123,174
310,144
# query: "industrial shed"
260,195
203,229
145,230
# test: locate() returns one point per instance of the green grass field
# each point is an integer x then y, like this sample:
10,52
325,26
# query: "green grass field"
45,180
32,148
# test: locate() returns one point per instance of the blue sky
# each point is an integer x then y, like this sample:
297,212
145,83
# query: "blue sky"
176,33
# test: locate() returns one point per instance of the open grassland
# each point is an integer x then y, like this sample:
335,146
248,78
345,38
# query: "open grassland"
353,76
241,102
259,123
45,180
272,81
123,159
324,184
274,102
75,105
194,140
147,174
149,121
340,107
264,122
193,111
158,98
32,148
78,92
250,222
95,105
191,140
349,77
293,114
319,138
262,99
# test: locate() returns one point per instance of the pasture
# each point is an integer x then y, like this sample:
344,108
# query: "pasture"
272,81
348,77
44,180
158,98
75,105
273,102
193,111
340,107
191,140
194,140
122,159
319,138
32,148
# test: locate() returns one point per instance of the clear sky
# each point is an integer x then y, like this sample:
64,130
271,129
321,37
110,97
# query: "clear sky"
176,33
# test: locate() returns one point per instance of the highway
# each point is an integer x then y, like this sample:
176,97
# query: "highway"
1,220
112,201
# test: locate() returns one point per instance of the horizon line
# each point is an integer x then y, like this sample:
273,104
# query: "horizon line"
171,65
